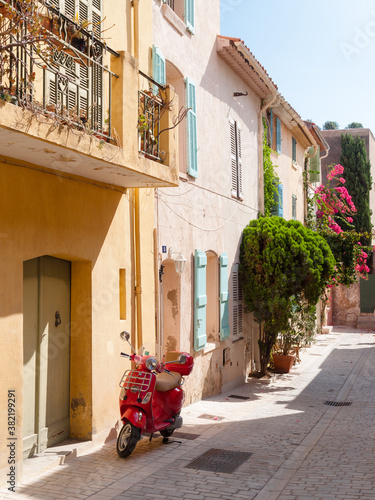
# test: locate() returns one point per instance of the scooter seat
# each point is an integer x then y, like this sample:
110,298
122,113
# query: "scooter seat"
167,381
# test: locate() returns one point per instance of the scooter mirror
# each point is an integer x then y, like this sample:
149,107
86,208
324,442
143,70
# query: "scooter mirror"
125,336
182,359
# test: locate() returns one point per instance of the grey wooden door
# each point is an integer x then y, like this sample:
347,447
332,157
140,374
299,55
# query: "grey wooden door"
46,368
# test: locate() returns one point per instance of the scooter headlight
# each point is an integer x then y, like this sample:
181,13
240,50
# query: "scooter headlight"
151,363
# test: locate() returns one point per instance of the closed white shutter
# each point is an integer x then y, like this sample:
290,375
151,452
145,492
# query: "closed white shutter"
233,156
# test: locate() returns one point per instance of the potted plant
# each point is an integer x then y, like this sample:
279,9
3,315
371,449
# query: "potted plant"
301,331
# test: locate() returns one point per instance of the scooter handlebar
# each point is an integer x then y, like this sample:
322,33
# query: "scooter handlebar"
124,355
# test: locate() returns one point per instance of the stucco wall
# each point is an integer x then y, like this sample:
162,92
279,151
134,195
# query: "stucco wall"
44,214
201,213
346,305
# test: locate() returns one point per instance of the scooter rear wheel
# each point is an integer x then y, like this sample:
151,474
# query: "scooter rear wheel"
166,434
127,439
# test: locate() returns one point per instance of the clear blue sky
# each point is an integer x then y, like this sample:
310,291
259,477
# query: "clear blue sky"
320,54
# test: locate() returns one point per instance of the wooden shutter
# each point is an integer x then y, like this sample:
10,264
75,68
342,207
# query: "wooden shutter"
236,305
189,15
239,160
224,297
191,129
294,150
280,202
200,300
233,156
294,207
278,136
314,165
158,65
271,127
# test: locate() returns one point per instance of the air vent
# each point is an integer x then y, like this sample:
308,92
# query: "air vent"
338,403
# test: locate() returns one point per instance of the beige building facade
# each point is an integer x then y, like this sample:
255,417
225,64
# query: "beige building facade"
77,235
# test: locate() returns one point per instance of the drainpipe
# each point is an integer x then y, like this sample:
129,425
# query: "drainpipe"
136,212
260,152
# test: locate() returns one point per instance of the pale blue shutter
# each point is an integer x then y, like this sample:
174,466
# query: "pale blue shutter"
314,165
224,297
189,15
294,207
158,67
200,300
280,206
278,136
192,149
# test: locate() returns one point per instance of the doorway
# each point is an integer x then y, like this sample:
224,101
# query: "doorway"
46,351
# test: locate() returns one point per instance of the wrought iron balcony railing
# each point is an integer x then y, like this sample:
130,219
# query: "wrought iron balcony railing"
66,80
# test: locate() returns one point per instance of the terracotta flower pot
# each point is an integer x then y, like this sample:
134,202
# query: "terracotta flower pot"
283,363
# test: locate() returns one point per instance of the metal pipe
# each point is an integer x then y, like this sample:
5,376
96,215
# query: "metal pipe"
138,275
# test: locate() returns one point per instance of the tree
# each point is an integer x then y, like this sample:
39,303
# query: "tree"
358,181
281,262
330,126
355,125
270,178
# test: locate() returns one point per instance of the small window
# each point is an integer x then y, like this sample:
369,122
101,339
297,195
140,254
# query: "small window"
294,207
294,150
184,9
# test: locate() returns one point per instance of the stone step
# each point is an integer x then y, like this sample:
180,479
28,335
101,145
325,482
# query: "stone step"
366,321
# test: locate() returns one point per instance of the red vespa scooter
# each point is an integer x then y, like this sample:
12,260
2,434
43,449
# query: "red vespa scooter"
151,397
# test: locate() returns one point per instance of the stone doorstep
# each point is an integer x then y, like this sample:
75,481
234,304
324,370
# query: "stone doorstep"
59,455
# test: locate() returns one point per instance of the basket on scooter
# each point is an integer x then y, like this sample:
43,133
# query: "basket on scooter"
136,381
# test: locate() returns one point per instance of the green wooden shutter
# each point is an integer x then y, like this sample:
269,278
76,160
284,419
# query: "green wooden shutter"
200,300
271,127
158,67
280,205
192,149
189,15
294,207
236,305
278,136
294,150
314,165
224,297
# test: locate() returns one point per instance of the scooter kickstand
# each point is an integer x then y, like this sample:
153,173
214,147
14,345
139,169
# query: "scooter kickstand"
151,437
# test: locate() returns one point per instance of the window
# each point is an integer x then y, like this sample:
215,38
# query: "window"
203,319
184,9
294,207
294,150
278,136
236,158
191,140
237,305
277,208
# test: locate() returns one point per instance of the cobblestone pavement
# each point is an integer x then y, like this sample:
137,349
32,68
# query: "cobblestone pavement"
301,448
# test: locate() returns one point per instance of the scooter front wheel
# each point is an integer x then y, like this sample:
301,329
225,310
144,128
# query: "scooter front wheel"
127,439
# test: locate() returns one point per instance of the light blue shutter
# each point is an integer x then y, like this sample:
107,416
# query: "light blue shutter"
158,67
294,207
200,300
189,15
314,165
192,149
271,127
224,297
278,136
280,206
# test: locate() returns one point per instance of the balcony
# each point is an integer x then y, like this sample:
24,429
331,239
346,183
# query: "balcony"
60,107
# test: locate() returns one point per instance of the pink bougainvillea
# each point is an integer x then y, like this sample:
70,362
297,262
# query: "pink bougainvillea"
335,209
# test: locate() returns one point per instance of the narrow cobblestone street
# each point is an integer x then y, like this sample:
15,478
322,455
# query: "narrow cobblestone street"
301,447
